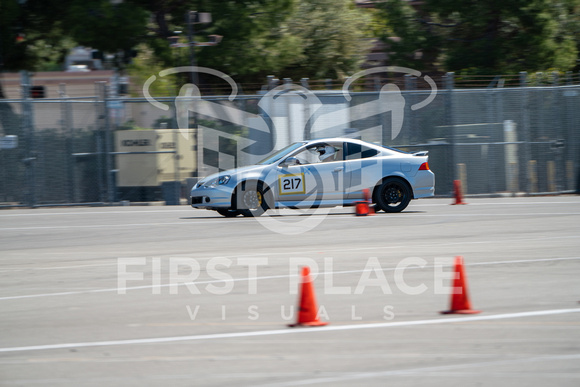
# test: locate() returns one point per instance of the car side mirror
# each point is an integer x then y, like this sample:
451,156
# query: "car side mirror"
290,161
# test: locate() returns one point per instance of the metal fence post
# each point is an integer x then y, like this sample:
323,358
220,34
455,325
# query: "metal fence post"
525,129
102,123
559,117
409,123
449,117
498,152
27,123
109,157
66,119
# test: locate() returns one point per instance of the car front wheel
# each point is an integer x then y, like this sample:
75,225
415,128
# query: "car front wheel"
393,195
250,198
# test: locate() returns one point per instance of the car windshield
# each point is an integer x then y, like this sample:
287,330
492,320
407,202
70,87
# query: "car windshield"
278,155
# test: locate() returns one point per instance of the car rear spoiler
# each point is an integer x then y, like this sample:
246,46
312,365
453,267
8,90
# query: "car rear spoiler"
420,153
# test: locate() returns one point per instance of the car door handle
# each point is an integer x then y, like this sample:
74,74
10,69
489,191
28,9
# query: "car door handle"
339,169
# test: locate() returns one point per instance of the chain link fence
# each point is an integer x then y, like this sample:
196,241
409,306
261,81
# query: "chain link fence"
64,151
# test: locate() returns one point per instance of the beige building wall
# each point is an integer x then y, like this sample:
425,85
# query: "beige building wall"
78,84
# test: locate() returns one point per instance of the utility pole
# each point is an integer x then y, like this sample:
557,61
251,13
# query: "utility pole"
191,17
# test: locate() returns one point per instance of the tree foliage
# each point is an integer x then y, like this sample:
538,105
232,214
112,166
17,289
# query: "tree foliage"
35,32
487,36
31,33
298,38
333,36
288,38
309,38
256,40
105,26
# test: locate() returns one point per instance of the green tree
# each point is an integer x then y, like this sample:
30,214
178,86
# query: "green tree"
334,38
489,36
36,32
287,38
411,42
31,33
255,41
108,27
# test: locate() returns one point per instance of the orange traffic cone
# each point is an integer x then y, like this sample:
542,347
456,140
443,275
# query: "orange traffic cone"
459,298
363,208
458,193
308,310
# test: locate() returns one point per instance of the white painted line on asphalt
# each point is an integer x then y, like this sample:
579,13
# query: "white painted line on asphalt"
160,286
309,251
327,328
487,215
77,226
36,212
491,203
54,267
185,222
104,212
433,371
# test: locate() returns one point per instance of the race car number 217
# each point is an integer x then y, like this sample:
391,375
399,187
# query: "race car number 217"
292,184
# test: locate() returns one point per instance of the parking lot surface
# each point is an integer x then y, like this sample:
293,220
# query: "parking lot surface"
169,295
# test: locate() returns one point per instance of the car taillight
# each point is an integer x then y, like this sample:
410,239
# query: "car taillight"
424,166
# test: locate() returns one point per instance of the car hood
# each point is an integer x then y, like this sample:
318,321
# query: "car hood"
237,171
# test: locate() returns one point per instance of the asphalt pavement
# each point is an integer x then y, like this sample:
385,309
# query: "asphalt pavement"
169,295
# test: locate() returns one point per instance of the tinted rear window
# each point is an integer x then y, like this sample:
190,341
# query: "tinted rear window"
358,151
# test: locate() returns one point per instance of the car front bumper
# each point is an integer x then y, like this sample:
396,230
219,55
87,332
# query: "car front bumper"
211,197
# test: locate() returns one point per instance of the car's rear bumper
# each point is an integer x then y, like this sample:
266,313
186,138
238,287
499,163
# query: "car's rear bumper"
424,192
424,184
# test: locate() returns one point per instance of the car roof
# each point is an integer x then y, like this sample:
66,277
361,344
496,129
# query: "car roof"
384,149
331,139
345,139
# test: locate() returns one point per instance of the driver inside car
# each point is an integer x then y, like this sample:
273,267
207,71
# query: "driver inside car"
326,153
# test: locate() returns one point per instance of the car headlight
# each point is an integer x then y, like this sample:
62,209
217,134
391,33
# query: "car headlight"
221,180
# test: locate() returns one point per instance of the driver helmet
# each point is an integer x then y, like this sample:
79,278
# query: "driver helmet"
325,152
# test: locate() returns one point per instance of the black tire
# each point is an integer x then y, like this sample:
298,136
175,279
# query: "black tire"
228,212
393,195
251,198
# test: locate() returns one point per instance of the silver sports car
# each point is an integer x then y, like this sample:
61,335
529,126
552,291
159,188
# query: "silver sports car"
319,173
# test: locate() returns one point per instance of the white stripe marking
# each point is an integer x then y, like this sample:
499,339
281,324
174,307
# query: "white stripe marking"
36,212
327,328
211,220
104,212
493,203
77,226
308,251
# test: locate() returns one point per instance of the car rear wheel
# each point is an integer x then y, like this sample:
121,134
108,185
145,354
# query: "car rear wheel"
393,195
250,198
228,212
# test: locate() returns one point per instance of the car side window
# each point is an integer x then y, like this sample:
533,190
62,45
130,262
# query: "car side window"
321,153
358,151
